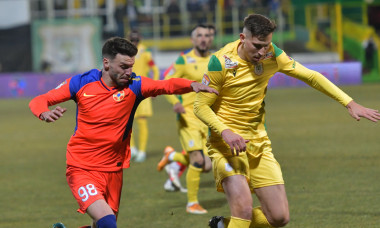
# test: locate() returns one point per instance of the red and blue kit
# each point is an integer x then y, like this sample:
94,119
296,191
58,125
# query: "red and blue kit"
104,116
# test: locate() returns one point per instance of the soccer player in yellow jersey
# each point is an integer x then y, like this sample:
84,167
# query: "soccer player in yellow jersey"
238,144
191,130
144,64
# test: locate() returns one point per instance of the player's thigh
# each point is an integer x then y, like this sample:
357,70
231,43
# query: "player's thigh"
191,133
264,170
224,164
274,202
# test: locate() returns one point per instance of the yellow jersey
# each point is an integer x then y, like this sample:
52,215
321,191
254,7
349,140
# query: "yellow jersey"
144,63
242,88
189,66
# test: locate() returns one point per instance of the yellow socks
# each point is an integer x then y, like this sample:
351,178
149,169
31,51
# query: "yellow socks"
181,158
143,133
192,180
258,219
238,223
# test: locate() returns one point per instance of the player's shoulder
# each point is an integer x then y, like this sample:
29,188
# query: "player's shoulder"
80,80
223,58
180,60
276,51
87,77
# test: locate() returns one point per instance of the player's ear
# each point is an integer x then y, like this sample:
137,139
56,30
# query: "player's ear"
242,38
106,64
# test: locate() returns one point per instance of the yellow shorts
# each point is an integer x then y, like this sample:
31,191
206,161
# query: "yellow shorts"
257,164
145,108
192,131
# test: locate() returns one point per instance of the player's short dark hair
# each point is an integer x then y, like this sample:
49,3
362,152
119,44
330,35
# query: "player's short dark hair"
134,36
198,26
211,26
259,25
118,45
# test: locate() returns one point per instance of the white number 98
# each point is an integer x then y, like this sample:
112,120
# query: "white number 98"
85,192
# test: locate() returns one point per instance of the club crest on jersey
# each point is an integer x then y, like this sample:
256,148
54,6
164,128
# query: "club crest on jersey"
60,85
229,63
259,68
205,80
119,96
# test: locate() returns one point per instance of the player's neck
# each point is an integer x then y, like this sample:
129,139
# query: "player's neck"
201,53
107,79
240,52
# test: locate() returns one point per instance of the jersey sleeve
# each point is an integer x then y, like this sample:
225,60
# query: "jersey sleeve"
176,72
152,88
289,66
55,96
214,78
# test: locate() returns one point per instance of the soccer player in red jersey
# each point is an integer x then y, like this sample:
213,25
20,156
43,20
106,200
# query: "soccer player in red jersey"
106,103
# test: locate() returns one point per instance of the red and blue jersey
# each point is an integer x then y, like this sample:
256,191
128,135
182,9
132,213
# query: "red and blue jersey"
104,116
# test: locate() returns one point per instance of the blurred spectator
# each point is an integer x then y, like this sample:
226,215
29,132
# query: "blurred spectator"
244,7
194,9
369,50
132,15
228,7
120,13
60,4
173,11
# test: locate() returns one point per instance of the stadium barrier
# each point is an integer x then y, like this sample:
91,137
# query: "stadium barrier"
19,85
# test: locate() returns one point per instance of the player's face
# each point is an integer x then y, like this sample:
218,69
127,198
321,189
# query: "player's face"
119,69
201,39
254,48
212,36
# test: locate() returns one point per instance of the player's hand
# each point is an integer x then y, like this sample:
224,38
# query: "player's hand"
53,115
357,111
235,141
199,87
178,108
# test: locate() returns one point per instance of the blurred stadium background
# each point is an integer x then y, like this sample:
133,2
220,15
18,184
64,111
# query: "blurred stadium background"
42,42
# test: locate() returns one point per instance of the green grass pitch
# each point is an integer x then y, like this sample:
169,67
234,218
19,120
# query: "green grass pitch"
330,163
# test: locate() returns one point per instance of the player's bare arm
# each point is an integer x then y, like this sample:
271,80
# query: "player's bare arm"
356,111
235,141
199,87
53,115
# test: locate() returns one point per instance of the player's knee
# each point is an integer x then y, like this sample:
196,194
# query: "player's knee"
279,221
108,221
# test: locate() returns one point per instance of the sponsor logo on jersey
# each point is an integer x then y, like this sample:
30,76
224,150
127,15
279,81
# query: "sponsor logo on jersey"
135,79
205,80
268,55
119,95
88,95
60,85
172,71
190,59
234,72
259,68
228,167
229,64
